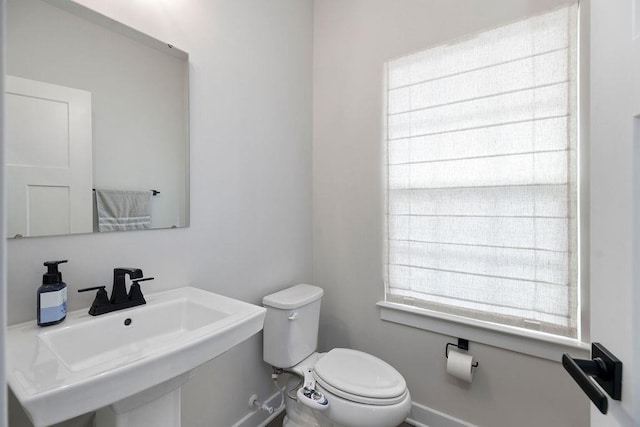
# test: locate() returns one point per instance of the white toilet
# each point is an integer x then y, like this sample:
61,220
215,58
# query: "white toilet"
361,390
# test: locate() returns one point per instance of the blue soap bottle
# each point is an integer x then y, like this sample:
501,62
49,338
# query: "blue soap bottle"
52,296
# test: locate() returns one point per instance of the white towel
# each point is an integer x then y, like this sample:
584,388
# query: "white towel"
123,210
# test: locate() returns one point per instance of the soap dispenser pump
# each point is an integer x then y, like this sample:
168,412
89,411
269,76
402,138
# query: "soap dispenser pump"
52,296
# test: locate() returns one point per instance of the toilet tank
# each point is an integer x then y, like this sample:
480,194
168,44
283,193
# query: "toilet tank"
291,325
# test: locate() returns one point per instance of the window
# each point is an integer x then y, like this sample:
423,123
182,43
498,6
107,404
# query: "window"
482,176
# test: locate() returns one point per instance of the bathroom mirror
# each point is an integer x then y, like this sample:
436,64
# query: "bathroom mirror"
91,105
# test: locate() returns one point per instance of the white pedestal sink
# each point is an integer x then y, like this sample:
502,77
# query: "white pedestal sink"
130,364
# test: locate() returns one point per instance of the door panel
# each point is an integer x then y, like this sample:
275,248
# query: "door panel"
48,210
49,159
614,184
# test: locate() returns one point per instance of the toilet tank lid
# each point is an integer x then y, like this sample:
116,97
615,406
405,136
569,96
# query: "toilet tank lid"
293,297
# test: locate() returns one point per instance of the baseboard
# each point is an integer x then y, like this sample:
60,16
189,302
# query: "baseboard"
260,418
420,416
423,416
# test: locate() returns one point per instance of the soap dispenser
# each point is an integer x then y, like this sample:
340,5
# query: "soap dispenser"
52,296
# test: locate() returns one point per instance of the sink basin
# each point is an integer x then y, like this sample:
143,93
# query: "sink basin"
108,342
86,362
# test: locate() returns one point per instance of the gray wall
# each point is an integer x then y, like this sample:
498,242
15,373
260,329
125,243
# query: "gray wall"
352,41
250,231
251,228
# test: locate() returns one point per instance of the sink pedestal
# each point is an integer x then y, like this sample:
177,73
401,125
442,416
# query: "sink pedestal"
158,406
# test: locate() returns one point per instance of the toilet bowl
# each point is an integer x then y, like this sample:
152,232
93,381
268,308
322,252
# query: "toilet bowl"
360,389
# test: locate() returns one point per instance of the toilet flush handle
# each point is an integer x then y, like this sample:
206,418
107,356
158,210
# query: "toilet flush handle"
294,316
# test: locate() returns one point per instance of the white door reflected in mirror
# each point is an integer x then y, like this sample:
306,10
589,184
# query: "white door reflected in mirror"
49,159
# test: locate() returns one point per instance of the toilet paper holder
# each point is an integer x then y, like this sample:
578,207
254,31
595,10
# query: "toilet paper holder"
462,345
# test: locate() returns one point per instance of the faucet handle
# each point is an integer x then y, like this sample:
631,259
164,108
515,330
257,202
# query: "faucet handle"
101,299
143,279
135,294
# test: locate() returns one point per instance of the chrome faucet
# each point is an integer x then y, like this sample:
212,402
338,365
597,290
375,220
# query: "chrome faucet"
119,298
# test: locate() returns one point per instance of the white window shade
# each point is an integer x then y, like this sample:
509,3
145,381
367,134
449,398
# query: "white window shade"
482,175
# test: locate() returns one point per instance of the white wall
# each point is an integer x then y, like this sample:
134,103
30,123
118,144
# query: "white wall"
250,230
138,94
352,41
3,228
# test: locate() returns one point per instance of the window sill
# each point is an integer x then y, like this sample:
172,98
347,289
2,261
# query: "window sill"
533,343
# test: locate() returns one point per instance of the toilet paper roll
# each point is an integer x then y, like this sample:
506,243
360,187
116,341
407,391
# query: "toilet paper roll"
460,365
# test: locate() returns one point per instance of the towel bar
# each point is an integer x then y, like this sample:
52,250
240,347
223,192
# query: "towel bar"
154,192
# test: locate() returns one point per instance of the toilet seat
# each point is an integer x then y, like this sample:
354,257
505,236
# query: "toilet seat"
360,377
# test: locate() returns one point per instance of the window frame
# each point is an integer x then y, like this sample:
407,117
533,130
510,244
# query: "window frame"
521,340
